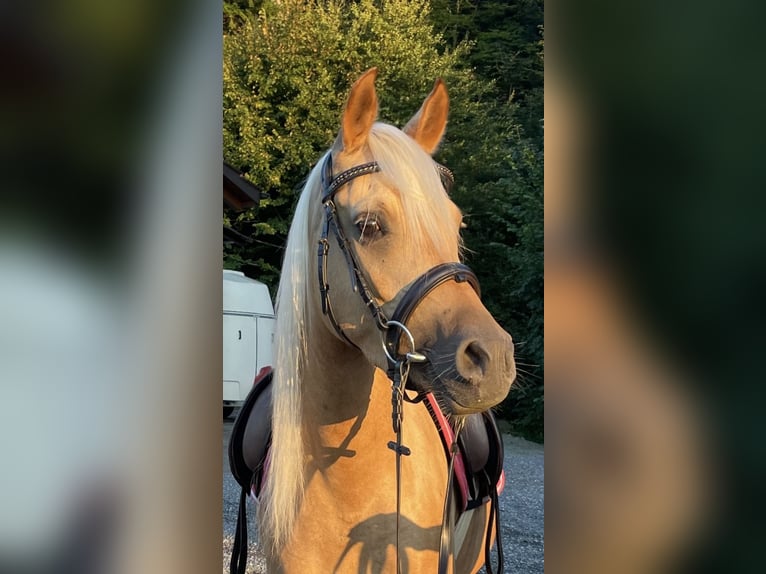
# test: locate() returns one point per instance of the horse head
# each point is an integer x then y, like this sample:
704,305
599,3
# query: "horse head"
396,253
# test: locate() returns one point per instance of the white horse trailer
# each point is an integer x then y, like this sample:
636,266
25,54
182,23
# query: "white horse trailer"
248,335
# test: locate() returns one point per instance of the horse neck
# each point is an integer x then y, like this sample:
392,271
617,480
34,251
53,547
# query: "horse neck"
349,470
337,385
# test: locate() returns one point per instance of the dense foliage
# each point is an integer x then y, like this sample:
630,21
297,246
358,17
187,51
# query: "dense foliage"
501,168
287,68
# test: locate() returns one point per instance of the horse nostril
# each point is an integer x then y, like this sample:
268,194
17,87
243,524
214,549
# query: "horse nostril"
475,354
472,362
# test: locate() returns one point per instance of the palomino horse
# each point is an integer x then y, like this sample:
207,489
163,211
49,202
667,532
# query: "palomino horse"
389,247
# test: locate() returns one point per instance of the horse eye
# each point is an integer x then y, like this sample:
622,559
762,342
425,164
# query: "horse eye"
368,227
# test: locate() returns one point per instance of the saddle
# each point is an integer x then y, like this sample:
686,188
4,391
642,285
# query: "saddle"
248,457
251,435
479,461
478,464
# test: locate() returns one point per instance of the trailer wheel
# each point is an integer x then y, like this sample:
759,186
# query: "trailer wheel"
227,412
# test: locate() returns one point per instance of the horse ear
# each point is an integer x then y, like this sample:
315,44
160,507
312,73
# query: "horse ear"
360,111
427,126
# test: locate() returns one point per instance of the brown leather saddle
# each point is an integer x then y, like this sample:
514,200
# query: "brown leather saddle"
251,435
478,476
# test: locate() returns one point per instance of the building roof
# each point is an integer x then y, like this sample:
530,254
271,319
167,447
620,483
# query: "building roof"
238,193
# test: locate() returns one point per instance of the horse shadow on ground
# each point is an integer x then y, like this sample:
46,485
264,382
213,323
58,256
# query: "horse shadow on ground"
372,556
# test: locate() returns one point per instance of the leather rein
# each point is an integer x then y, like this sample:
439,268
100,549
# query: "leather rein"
392,327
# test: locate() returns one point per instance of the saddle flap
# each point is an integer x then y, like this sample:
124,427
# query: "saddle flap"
481,445
494,466
474,443
251,432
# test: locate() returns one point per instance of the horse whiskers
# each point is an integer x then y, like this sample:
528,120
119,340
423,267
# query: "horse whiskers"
446,355
437,358
520,372
522,384
438,376
456,421
533,365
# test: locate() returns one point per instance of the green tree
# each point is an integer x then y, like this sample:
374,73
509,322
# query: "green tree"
499,157
507,48
286,71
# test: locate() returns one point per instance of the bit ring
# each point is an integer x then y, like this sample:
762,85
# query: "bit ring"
406,331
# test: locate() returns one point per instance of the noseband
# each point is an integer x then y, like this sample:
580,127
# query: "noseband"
395,325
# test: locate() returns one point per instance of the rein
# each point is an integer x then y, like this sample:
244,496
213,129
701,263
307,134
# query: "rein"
391,329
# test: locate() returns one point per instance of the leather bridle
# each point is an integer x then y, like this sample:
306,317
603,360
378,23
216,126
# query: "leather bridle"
415,293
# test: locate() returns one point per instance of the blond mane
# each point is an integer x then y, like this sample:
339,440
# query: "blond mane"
283,490
429,219
414,174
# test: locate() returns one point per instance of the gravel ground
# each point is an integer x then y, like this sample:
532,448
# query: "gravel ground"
521,509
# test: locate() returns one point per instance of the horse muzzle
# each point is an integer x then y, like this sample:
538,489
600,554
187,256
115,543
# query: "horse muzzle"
467,374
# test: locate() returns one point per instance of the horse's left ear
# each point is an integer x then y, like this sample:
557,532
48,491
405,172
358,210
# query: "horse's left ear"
427,126
360,112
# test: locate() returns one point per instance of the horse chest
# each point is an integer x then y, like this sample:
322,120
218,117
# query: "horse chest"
355,475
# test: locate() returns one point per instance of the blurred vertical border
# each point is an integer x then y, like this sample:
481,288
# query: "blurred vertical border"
654,275
110,286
